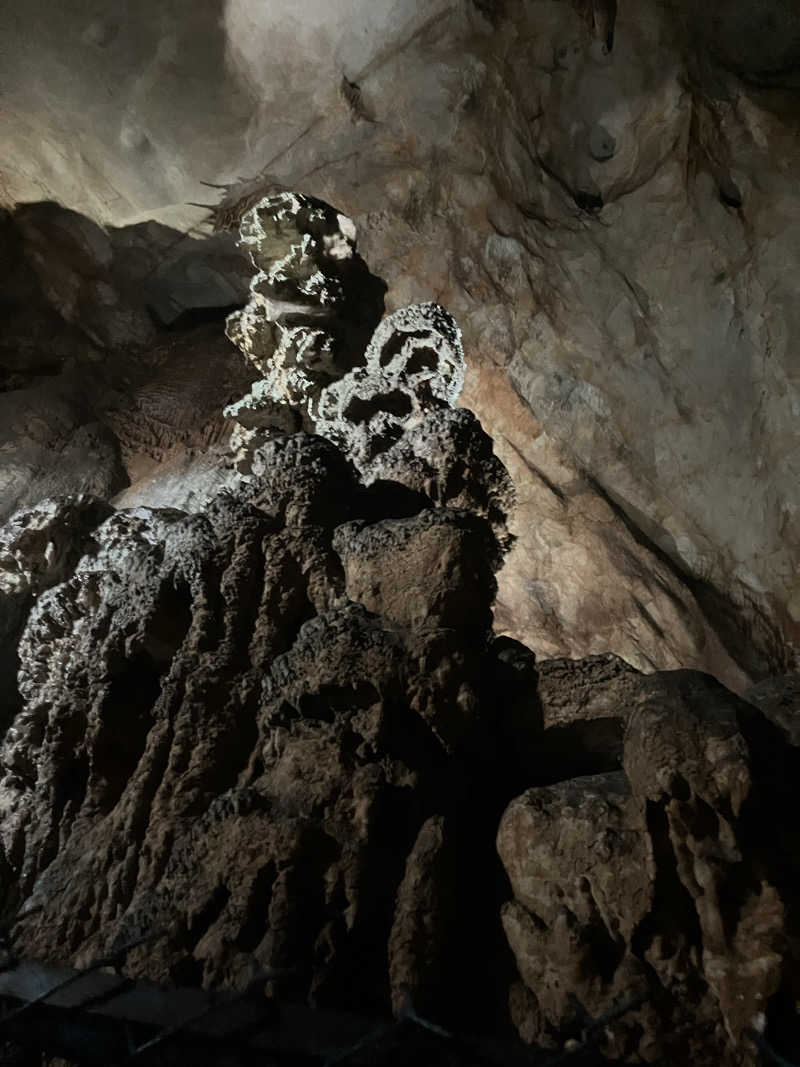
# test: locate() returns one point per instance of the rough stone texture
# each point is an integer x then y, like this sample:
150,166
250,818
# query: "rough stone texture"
581,579
569,934
392,408
665,878
278,726
614,229
451,459
147,413
278,732
164,410
571,691
39,547
52,442
411,570
413,365
311,310
308,329
235,724
425,907
584,706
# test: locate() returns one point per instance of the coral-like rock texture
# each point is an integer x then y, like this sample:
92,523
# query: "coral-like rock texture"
312,307
307,328
413,365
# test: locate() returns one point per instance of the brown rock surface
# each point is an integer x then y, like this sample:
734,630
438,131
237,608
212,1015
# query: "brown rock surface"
218,740
278,732
666,879
273,727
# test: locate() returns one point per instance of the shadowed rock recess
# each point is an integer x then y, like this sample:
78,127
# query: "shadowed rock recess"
274,729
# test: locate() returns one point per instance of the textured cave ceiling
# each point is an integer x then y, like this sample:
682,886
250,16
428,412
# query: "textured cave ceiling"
616,231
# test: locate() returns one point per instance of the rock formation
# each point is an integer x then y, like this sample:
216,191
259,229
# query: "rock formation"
271,698
275,729
109,371
664,876
306,769
307,328
386,399
312,308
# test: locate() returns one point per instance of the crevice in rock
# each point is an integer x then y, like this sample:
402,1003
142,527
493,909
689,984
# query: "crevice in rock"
201,923
125,721
254,926
672,914
167,627
394,403
204,316
749,638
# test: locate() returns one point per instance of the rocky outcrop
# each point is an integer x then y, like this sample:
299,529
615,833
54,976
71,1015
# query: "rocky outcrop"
39,548
274,729
413,365
779,700
277,732
664,878
136,416
387,397
237,723
312,308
